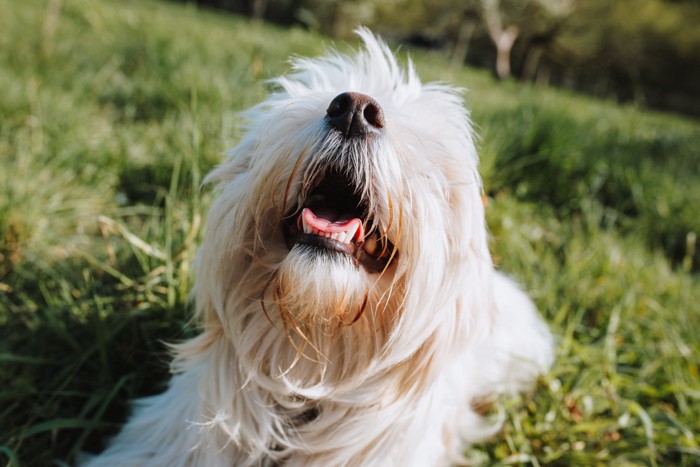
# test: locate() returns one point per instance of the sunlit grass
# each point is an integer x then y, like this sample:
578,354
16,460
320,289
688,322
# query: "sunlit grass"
112,112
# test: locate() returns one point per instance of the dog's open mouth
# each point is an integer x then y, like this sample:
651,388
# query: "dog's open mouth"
334,218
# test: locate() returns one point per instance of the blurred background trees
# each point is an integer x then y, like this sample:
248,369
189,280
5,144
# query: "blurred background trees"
646,51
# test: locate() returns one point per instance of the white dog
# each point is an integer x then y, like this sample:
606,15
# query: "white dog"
349,309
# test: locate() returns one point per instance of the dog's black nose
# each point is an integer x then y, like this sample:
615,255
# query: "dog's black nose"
355,114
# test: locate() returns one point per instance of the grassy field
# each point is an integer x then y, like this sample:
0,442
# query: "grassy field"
110,114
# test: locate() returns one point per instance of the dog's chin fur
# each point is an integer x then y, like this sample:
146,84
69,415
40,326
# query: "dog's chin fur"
320,290
310,356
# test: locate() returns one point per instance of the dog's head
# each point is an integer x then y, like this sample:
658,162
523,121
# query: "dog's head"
352,206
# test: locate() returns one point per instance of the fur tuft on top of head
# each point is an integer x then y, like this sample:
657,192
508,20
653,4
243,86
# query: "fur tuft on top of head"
373,71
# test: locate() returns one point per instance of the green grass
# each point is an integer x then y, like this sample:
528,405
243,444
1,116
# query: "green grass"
112,112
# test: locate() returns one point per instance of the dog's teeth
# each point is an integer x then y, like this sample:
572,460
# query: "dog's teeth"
351,233
307,225
371,245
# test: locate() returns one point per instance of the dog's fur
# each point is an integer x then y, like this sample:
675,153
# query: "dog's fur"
307,357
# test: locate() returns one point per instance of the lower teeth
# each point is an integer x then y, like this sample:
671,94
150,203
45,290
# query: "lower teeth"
371,245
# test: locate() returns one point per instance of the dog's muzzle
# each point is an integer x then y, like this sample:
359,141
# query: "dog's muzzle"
334,217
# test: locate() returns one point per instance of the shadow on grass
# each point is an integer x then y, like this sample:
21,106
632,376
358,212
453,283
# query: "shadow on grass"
73,352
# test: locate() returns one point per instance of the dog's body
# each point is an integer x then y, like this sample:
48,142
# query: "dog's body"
350,312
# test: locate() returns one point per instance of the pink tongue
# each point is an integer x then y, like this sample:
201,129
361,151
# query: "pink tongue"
321,221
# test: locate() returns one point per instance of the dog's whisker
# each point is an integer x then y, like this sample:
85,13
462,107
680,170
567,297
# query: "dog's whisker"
262,298
360,312
288,321
292,176
394,250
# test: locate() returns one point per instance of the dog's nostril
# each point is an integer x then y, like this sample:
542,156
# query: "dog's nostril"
373,115
338,106
355,114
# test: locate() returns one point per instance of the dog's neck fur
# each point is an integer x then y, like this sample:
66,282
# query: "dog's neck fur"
281,406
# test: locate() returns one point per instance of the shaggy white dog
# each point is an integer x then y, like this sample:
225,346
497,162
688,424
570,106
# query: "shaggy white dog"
349,309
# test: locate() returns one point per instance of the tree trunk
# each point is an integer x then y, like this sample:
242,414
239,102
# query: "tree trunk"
503,38
504,45
532,63
257,9
459,54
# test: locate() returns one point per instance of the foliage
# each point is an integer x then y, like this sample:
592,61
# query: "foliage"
632,50
113,111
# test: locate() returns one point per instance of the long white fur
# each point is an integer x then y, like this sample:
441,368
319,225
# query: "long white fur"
280,373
